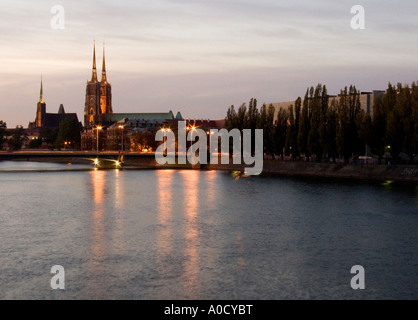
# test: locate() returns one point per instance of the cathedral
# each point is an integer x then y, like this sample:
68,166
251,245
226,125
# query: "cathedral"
48,120
98,96
99,115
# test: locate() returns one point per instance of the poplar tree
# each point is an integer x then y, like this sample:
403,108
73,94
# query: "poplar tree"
404,103
3,128
314,142
291,133
414,117
394,130
329,131
280,131
304,125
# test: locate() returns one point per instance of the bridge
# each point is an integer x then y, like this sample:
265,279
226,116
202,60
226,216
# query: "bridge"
78,157
140,160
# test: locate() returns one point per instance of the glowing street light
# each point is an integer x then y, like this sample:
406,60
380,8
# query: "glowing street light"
192,128
122,127
98,128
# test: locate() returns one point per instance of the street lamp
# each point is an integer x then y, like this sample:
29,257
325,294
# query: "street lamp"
122,127
192,128
98,128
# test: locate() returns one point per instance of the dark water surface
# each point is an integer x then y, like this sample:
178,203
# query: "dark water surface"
202,235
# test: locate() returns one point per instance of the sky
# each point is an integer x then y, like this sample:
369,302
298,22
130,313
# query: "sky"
199,57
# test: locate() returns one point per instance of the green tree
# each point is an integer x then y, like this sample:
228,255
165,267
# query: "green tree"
35,143
280,131
251,121
144,140
291,133
324,123
3,128
378,141
329,131
49,135
394,128
414,117
69,131
347,138
241,117
404,103
298,107
269,129
231,119
18,137
364,124
263,123
314,138
304,126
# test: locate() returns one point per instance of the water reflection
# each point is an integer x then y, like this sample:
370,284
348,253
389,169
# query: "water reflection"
119,190
190,185
98,181
165,208
191,233
119,212
210,190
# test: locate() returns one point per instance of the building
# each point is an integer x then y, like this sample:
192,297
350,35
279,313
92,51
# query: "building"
48,120
366,101
124,127
98,96
102,126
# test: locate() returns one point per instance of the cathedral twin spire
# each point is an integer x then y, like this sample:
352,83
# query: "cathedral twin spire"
98,101
41,93
94,70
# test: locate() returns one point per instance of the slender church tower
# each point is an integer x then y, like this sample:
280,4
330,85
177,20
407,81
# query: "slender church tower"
98,95
105,90
41,109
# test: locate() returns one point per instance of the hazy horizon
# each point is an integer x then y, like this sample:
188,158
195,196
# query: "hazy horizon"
199,57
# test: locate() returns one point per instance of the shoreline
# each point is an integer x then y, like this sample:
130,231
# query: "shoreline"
364,172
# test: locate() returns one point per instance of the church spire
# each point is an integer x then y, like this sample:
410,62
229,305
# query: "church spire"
103,67
41,93
94,71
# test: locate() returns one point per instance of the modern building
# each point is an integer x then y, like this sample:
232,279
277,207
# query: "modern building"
366,101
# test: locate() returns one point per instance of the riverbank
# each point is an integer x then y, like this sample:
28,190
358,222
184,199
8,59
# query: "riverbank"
366,172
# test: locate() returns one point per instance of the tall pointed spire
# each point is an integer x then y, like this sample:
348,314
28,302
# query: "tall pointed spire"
41,93
94,71
103,66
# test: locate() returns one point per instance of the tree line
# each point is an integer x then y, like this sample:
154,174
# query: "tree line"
323,127
68,132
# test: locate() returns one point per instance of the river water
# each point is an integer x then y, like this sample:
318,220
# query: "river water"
168,234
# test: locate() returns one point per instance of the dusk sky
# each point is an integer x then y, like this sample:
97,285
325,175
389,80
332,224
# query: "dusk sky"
199,57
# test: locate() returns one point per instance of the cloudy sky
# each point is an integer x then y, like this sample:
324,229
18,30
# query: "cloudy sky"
199,57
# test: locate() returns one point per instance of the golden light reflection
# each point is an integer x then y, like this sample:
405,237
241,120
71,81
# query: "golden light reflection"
119,189
210,190
165,209
97,240
98,182
191,197
119,217
240,248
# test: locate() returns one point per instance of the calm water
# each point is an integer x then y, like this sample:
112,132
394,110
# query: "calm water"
202,235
